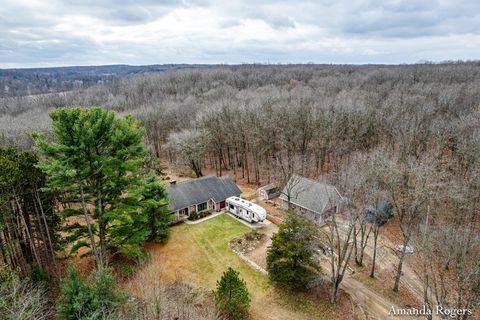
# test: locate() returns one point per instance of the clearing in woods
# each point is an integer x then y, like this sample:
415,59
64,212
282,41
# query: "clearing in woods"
199,253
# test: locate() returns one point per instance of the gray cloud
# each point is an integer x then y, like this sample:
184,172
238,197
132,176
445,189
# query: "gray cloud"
36,32
412,19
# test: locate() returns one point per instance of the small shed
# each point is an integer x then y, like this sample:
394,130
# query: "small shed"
268,192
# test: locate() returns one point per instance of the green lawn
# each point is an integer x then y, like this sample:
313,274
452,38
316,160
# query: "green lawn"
211,238
200,253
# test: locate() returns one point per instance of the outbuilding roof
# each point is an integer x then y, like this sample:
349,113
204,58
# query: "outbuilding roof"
270,188
310,194
196,191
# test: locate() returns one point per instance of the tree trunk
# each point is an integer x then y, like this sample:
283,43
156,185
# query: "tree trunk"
3,247
355,245
376,231
256,167
38,226
234,164
196,168
220,160
27,230
334,292
364,236
47,231
398,275
153,220
102,225
13,240
247,169
89,227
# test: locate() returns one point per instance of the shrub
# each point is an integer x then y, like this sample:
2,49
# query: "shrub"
231,297
39,275
175,222
193,215
253,235
21,298
291,257
155,299
92,298
134,253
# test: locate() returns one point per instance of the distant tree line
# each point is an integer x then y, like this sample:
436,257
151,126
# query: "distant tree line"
31,81
253,118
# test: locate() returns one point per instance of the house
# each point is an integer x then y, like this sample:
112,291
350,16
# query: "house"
268,192
202,194
314,200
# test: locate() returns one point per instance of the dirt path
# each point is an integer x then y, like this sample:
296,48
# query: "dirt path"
369,304
387,259
259,254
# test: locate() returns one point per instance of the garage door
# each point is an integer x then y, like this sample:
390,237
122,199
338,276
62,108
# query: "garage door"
222,204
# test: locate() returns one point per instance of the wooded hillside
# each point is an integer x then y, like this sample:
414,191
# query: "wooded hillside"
404,135
257,114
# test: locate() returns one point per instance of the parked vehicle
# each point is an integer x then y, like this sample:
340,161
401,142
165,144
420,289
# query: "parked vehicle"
246,210
408,249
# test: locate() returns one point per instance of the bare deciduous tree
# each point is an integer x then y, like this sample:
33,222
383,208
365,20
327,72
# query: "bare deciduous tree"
187,148
410,185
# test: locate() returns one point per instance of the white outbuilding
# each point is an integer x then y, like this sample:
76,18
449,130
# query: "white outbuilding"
268,192
246,210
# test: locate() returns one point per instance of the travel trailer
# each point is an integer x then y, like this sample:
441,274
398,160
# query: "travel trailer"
246,210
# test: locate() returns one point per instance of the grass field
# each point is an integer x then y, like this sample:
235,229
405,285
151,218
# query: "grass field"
199,253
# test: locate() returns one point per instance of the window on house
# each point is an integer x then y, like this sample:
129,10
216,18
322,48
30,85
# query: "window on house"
202,207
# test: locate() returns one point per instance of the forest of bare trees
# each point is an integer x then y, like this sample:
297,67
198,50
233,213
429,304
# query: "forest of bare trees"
409,135
258,114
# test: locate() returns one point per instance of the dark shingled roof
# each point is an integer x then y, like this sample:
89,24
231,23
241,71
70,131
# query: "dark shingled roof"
313,195
196,191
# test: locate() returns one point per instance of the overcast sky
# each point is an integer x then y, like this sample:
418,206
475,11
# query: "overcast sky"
93,32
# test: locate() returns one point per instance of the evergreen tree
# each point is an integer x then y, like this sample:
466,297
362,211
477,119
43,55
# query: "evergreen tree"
231,297
140,215
291,257
154,203
94,159
28,223
93,298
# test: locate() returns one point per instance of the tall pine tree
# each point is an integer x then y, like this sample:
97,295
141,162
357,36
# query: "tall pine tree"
94,159
231,297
